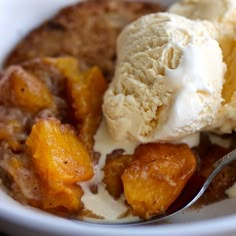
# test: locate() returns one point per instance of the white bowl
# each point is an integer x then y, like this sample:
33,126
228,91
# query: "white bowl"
17,17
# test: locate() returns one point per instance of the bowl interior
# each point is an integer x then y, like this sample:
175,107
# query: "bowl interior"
215,219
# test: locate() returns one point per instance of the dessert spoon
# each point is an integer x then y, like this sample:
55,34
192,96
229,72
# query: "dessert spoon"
194,189
192,192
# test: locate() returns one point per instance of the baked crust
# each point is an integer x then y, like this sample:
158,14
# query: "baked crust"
87,30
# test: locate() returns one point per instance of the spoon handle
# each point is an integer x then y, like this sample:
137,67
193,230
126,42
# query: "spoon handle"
225,160
179,205
219,165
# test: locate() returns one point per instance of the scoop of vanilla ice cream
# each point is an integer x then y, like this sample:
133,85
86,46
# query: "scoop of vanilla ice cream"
168,80
217,11
222,13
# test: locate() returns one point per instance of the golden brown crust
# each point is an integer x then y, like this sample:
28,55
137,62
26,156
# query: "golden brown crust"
87,30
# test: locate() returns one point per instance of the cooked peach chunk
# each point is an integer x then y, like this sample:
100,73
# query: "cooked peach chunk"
87,96
68,198
60,160
27,91
113,170
68,66
156,177
58,154
85,90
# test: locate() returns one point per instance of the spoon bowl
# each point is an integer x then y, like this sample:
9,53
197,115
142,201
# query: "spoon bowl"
194,189
190,195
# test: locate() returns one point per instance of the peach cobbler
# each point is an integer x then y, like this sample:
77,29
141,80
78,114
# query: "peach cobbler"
91,132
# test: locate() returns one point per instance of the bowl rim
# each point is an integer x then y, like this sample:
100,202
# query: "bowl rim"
40,221
46,223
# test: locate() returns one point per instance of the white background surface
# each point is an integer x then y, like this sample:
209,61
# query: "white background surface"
17,17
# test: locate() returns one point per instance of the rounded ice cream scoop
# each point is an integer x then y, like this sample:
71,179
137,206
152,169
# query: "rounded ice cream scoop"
216,11
168,80
222,13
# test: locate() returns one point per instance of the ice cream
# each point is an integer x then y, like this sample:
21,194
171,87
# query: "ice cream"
216,11
222,13
168,80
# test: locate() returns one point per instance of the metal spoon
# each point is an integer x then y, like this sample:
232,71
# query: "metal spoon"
192,192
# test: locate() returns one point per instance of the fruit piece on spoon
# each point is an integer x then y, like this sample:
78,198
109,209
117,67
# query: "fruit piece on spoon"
156,177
